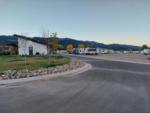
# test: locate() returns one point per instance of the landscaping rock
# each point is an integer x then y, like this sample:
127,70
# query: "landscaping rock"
41,72
1,78
5,77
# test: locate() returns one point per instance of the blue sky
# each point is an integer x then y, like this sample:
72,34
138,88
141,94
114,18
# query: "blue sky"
106,21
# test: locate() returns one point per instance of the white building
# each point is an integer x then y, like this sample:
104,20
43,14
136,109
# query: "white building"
28,46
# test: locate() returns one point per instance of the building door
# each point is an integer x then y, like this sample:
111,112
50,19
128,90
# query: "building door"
30,50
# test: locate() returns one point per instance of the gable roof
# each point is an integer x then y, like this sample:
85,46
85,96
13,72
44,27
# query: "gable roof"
31,39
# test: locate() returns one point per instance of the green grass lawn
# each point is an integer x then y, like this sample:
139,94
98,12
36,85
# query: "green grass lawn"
32,63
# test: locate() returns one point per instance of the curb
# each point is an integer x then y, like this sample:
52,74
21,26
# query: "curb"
47,77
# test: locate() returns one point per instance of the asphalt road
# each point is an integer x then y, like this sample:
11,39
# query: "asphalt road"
109,87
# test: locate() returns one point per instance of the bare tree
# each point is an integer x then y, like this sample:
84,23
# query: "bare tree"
54,44
46,35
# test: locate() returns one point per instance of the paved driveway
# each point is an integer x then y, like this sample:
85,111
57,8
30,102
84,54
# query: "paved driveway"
109,87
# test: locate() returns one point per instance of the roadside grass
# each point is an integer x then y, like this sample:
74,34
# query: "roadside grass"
9,62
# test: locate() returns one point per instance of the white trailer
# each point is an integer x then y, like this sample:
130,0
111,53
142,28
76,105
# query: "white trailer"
103,51
82,51
86,51
146,51
91,51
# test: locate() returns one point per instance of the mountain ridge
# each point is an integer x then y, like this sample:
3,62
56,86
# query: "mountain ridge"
9,39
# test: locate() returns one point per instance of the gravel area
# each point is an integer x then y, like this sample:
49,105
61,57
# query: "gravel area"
135,58
41,72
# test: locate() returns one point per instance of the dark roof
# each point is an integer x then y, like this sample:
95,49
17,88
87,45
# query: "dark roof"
31,39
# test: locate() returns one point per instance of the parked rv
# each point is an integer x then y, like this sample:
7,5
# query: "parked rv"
75,51
103,51
146,51
91,51
85,51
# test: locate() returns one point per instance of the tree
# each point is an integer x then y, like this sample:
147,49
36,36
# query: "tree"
81,46
45,34
86,46
54,43
69,48
144,47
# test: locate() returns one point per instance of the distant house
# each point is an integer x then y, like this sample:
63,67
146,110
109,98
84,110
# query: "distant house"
4,49
13,48
9,49
28,46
